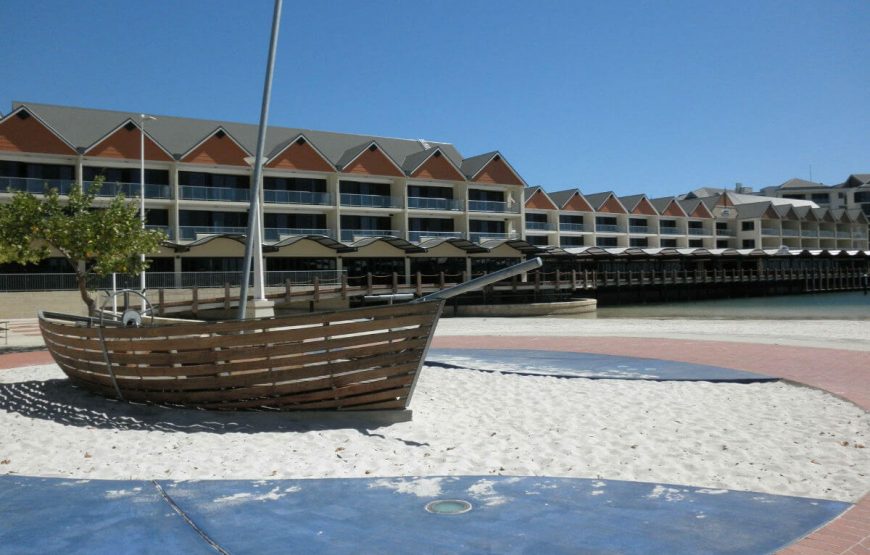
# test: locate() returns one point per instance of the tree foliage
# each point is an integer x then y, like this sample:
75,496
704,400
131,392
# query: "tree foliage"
95,240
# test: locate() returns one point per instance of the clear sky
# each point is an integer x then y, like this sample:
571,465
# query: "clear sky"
658,97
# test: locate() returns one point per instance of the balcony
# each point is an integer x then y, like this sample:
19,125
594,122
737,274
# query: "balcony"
669,231
481,236
419,236
786,232
33,185
571,228
809,233
190,233
226,194
770,231
370,201
350,235
826,233
131,190
609,228
423,203
639,229
278,233
493,206
273,196
844,235
725,233
698,231
540,226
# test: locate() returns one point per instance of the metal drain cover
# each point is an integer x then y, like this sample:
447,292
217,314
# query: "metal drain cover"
448,506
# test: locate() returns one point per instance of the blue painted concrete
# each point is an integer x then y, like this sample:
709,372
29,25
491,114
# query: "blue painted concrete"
586,365
509,515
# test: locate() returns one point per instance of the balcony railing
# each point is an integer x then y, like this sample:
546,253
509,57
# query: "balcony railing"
350,235
35,186
826,233
786,232
278,233
638,229
809,233
229,194
769,231
189,233
540,226
296,197
698,231
493,206
131,190
725,233
844,235
370,201
609,228
418,236
481,236
571,227
423,203
670,231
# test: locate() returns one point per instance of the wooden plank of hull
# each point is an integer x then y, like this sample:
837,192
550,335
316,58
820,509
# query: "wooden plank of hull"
371,364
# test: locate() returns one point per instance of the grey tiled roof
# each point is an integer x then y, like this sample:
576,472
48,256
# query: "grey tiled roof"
631,201
597,199
797,183
662,203
560,198
755,210
528,192
471,166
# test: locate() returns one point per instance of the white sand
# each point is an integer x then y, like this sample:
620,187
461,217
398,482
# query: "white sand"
772,438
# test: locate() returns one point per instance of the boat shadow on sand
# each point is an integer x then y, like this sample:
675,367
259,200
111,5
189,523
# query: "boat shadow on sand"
59,401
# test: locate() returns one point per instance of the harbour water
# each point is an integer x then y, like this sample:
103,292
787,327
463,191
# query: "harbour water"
851,305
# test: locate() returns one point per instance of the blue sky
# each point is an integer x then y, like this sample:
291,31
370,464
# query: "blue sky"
654,97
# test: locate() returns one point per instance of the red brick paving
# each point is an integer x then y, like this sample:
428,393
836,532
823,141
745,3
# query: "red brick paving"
844,373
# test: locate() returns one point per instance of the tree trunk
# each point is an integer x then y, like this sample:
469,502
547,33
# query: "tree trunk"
82,281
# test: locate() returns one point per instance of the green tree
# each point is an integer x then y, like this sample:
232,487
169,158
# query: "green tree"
95,240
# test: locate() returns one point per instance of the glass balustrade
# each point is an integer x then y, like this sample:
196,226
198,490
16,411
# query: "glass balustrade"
481,236
769,231
612,228
350,235
638,229
418,236
370,201
492,206
189,233
540,226
278,233
227,194
571,227
34,185
670,231
698,231
131,190
296,197
422,203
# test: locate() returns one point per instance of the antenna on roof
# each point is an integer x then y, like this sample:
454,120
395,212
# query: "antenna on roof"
811,172
426,145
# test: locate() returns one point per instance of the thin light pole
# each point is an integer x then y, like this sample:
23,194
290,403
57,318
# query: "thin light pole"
253,241
142,119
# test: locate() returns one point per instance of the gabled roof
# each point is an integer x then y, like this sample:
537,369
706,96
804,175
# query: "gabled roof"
823,214
416,160
82,127
690,206
540,196
357,151
220,132
563,198
633,202
597,200
299,140
25,111
663,204
804,212
471,167
857,180
757,210
787,212
797,183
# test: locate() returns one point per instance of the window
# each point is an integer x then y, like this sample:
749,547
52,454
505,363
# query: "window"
303,184
364,188
421,191
202,179
605,220
490,196
696,243
721,226
693,224
430,224
563,219
668,223
126,175
638,242
672,243
606,241
637,222
747,226
380,223
571,242
486,226
206,218
722,243
820,198
294,221
537,240
748,243
536,218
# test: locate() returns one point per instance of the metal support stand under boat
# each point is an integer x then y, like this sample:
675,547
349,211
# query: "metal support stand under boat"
255,222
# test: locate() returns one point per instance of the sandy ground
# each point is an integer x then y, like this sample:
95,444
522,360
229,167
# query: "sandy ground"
773,437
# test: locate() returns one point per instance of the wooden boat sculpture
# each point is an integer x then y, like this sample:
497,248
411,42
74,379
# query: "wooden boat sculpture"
365,358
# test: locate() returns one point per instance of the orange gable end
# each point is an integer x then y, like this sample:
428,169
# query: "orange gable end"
701,211
300,157
218,150
497,172
612,206
577,204
539,201
125,143
29,135
437,167
644,207
672,210
372,162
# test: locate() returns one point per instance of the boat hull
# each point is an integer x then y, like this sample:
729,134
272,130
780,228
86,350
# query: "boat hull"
358,359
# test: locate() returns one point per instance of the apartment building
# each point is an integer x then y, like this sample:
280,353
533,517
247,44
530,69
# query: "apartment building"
330,200
334,201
